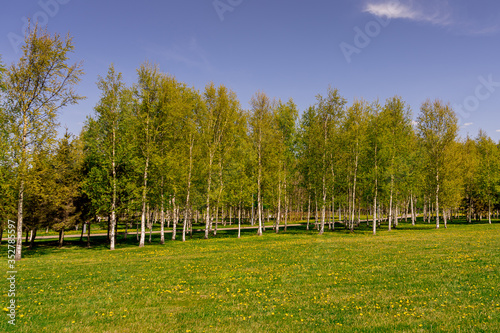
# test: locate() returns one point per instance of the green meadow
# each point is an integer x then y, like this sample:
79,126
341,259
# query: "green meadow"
412,279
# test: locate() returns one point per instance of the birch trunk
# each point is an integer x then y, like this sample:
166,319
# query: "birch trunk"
19,240
489,211
207,223
375,203
278,215
406,209
412,210
216,218
174,219
191,145
143,215
437,199
316,213
149,224
396,215
333,212
239,221
308,212
354,191
390,204
219,197
286,210
162,219
425,208
185,224
113,203
259,199
253,215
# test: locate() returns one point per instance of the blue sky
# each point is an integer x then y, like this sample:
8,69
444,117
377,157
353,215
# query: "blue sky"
366,48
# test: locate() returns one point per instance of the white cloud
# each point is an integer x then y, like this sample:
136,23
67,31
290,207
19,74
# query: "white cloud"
455,16
436,12
391,9
468,124
498,130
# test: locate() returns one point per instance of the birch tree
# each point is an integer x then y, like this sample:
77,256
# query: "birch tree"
437,130
355,141
373,156
452,180
396,135
330,112
37,87
146,111
108,113
309,156
260,133
240,185
219,106
489,168
285,119
470,166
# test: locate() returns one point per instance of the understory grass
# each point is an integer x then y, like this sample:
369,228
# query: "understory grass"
412,279
100,228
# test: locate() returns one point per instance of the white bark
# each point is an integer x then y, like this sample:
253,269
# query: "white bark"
143,216
22,166
489,211
185,223
253,215
278,215
239,221
390,207
375,207
308,212
259,199
174,219
113,203
162,219
333,212
286,209
412,210
207,223
323,207
354,189
437,199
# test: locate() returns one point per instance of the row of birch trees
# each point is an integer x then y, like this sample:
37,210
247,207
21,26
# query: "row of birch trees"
161,152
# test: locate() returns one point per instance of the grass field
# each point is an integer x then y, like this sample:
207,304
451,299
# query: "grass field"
102,229
413,279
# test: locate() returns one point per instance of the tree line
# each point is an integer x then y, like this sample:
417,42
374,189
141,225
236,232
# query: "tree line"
159,151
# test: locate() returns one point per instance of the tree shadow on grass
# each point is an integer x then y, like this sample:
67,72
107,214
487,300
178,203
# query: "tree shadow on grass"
44,247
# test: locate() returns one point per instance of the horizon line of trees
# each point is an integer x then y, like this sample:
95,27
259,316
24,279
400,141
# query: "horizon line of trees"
160,151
